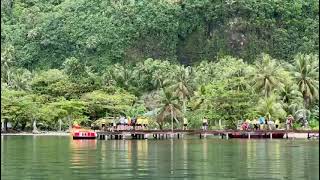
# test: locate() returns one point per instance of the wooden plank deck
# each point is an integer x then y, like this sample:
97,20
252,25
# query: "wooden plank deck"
201,131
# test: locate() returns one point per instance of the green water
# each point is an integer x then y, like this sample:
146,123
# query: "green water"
43,157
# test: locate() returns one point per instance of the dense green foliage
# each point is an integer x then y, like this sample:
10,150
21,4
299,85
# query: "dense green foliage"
42,34
79,61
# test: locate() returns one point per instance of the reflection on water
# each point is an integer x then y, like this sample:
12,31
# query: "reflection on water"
41,157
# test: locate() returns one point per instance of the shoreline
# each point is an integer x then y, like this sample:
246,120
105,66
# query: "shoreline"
37,134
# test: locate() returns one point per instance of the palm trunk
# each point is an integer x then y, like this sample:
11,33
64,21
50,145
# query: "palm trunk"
184,109
171,119
306,101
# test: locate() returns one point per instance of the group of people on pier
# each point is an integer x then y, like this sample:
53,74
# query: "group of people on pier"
266,124
127,123
141,123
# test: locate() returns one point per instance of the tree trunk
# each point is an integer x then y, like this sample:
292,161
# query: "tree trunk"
220,124
184,107
171,119
23,126
70,123
35,130
160,126
15,125
60,122
5,126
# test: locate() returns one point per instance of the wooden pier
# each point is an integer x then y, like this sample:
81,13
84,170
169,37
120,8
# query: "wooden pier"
224,134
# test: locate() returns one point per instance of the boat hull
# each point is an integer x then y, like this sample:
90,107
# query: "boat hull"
256,135
84,135
76,137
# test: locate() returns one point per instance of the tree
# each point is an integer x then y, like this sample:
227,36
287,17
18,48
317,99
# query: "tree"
101,102
169,107
72,108
291,97
269,75
306,74
74,68
183,85
270,108
7,61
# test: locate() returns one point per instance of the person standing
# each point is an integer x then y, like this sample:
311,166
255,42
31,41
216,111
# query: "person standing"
205,123
125,123
255,124
185,124
271,125
121,121
114,124
133,122
289,122
261,122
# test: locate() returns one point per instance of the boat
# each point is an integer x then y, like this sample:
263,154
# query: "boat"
78,133
256,135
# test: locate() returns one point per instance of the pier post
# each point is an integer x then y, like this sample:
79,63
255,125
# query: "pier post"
249,134
270,135
200,136
178,135
227,136
287,135
308,135
166,136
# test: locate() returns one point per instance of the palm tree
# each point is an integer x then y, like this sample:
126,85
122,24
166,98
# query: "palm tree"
183,85
160,79
120,74
291,98
269,75
305,73
21,79
204,72
269,107
169,107
200,98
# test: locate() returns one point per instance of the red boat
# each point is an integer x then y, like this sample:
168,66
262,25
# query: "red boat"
78,133
256,135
